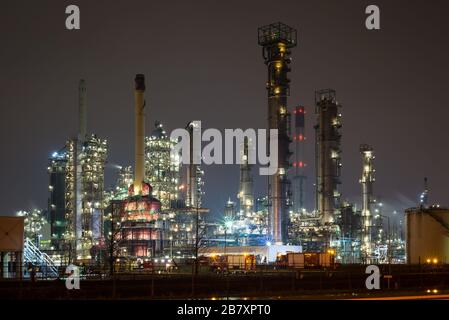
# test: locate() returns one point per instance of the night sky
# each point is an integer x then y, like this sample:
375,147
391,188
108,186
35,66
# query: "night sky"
202,61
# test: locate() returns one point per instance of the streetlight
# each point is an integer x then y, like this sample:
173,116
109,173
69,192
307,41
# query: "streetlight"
227,225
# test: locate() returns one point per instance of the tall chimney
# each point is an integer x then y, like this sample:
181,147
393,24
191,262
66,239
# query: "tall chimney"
139,102
82,110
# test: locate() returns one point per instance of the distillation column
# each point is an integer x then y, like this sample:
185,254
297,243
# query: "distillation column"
276,40
367,181
79,212
194,173
328,161
246,184
299,163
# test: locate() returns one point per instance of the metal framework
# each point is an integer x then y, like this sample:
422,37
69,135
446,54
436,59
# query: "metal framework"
161,167
84,185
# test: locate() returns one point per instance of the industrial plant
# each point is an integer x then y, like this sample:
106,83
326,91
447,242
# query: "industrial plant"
154,218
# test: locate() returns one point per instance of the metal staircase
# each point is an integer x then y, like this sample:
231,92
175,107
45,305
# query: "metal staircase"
32,254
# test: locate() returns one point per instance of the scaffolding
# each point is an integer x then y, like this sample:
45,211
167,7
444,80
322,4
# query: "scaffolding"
162,169
84,196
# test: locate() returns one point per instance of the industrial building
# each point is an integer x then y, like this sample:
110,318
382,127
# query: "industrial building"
141,224
76,201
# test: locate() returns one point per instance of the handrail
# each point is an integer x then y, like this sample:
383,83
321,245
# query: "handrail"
32,254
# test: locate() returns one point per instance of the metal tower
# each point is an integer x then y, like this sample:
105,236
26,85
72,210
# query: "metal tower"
367,181
245,195
328,162
194,172
276,40
424,196
299,163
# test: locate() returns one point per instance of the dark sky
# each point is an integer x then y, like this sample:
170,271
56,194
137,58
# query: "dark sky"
202,61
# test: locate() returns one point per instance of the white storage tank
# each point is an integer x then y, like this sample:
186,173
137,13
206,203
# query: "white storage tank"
427,235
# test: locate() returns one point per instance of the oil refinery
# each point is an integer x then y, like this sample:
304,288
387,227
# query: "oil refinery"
154,218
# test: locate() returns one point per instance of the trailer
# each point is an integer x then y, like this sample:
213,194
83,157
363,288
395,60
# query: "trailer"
308,260
233,263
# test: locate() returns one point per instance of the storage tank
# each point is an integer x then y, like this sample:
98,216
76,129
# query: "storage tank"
427,235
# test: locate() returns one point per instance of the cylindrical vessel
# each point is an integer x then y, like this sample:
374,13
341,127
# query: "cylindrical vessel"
139,155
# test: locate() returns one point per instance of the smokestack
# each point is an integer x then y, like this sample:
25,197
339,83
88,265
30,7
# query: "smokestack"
82,110
139,103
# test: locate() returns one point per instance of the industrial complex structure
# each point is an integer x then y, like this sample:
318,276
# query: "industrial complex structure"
155,212
76,202
277,39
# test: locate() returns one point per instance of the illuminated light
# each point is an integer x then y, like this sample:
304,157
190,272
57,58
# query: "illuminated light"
435,291
294,164
435,261
268,243
428,260
301,164
301,137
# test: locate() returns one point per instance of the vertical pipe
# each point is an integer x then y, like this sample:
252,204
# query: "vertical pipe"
82,110
139,113
367,181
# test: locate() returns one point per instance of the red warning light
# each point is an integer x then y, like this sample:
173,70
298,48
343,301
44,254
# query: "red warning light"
294,164
301,137
301,164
